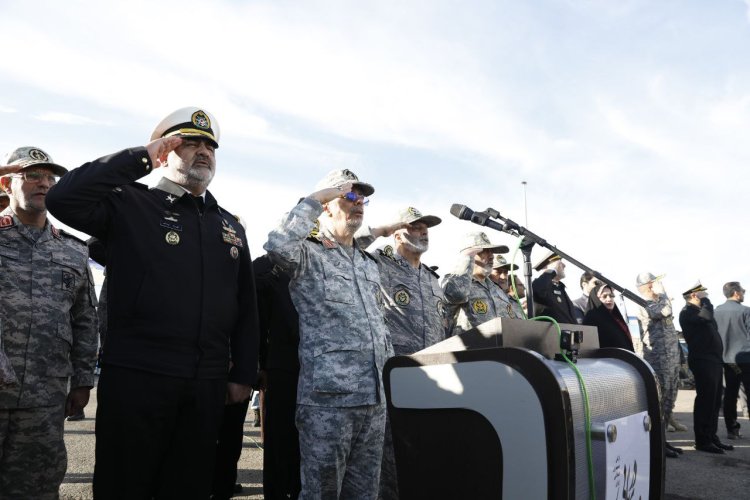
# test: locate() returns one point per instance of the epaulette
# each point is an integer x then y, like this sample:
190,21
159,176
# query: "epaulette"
138,185
62,232
432,271
323,240
367,254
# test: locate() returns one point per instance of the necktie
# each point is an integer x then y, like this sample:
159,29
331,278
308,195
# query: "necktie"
200,203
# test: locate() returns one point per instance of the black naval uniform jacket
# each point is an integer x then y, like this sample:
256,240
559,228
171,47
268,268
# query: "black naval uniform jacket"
180,283
554,299
701,332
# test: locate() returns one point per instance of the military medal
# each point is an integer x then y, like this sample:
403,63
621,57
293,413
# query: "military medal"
234,252
172,238
170,198
229,235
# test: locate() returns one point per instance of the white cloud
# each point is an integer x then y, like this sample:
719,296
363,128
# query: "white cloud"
69,119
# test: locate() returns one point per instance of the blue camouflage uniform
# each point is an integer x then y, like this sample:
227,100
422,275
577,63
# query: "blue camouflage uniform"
661,348
49,332
344,344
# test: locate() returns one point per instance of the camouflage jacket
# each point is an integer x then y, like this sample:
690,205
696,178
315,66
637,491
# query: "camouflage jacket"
472,302
414,305
657,324
48,315
344,342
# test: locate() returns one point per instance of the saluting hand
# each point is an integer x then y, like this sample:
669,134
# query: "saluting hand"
328,194
160,148
388,230
9,169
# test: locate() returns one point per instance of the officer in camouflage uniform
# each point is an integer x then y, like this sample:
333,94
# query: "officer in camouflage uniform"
414,305
472,297
660,343
499,276
48,327
344,343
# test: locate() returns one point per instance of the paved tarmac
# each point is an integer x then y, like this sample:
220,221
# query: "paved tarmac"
695,475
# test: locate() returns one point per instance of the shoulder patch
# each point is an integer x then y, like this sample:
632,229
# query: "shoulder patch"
6,222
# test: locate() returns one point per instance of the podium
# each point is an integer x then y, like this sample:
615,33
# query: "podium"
492,414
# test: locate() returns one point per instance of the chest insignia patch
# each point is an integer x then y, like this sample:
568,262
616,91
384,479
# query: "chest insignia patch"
388,251
172,238
402,298
479,306
68,281
234,252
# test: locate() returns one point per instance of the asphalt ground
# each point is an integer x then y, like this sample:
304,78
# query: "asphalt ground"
695,475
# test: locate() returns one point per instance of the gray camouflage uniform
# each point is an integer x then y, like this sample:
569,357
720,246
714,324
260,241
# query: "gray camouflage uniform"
661,348
472,302
344,344
49,332
415,315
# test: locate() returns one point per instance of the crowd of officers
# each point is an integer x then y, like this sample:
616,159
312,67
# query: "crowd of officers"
193,324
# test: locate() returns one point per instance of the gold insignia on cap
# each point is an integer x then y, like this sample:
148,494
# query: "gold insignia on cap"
479,306
201,120
402,298
484,239
172,238
413,211
38,155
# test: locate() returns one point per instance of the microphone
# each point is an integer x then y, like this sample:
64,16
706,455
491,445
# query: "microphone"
461,211
482,218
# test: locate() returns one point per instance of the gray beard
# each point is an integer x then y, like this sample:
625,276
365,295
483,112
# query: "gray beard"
419,248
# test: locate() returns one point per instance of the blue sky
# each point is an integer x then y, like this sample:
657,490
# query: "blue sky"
628,119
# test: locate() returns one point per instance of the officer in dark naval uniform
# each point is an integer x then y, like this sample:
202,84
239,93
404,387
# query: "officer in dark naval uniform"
550,296
279,333
181,294
705,351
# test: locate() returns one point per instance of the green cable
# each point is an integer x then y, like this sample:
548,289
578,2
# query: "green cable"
586,410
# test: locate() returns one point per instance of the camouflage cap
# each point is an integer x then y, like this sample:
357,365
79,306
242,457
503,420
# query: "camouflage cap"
480,240
189,122
29,156
410,215
695,288
336,178
499,262
549,257
646,278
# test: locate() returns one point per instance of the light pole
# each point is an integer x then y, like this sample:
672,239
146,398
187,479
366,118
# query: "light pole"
525,206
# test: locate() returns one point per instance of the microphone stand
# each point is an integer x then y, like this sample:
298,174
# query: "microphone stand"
530,239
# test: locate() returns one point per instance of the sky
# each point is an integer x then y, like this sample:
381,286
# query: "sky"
628,120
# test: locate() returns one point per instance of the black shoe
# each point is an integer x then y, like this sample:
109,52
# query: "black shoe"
672,454
734,435
76,417
709,448
675,449
725,447
237,489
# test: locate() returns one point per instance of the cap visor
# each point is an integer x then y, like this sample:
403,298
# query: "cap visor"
56,169
428,220
365,188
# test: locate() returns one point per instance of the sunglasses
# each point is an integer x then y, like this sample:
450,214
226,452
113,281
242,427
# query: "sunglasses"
36,177
354,197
